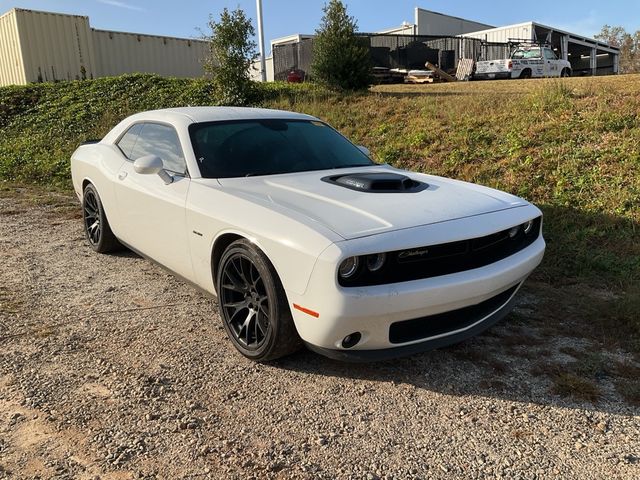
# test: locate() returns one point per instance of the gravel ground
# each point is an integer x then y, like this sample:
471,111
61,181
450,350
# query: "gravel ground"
111,368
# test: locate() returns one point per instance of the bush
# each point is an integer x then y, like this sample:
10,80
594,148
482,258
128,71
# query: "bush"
231,53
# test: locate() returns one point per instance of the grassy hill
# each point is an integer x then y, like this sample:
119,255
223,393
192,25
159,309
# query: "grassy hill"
572,147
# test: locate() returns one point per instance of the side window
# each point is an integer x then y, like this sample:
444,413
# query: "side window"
128,140
550,54
162,141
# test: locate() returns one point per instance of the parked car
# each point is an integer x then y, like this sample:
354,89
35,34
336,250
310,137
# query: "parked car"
526,61
301,236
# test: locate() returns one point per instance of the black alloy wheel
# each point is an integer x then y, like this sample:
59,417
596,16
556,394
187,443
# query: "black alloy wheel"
253,304
96,225
245,301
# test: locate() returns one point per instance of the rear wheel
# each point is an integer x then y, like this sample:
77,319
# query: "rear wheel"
96,225
526,73
253,305
565,72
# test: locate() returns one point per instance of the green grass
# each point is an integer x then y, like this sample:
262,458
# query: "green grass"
570,146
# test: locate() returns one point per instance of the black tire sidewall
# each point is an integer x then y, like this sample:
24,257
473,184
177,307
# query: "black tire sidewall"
275,293
91,189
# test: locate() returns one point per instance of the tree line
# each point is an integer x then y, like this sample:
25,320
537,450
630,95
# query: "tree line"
628,43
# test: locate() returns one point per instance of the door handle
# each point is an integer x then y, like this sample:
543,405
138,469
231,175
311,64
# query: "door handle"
122,175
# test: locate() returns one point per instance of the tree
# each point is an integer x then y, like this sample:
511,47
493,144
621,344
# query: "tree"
231,53
340,58
629,46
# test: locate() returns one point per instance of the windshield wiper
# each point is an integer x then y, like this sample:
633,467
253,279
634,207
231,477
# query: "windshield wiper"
260,174
353,165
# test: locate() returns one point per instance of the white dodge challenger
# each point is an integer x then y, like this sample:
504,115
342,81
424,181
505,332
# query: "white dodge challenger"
302,238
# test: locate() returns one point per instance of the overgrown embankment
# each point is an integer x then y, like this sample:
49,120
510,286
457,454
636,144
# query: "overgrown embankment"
572,147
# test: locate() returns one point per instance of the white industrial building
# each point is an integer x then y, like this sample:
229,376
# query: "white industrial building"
587,55
43,46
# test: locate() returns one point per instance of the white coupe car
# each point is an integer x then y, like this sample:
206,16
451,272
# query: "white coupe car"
302,238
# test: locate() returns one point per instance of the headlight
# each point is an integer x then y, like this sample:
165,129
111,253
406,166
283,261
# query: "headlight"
527,227
349,267
375,262
514,231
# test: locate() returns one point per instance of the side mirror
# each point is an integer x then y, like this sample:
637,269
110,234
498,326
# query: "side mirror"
150,164
364,150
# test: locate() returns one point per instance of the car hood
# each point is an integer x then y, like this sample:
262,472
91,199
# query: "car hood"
352,214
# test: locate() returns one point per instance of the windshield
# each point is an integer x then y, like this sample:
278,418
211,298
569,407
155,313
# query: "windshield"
526,53
268,147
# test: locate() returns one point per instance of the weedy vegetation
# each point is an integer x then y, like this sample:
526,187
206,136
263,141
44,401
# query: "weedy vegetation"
571,146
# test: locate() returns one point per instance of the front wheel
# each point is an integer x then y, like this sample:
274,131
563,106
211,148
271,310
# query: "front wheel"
96,225
253,304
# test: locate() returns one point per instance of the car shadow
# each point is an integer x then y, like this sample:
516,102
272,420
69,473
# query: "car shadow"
557,347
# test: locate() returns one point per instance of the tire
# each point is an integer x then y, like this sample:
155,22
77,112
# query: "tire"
565,73
96,225
526,73
253,305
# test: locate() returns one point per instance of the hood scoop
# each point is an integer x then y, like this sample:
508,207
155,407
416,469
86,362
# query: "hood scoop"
377,182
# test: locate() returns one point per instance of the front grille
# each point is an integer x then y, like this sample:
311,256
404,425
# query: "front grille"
443,259
433,325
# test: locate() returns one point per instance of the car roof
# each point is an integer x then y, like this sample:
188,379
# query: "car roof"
212,114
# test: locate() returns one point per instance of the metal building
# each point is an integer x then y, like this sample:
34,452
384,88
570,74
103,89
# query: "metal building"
586,55
43,46
436,24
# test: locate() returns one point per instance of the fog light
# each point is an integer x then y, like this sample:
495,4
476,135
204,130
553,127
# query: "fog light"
375,262
351,340
527,227
349,267
514,231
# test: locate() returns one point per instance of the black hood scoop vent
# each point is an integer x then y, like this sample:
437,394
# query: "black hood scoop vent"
377,182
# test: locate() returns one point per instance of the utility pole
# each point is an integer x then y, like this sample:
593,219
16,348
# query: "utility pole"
263,65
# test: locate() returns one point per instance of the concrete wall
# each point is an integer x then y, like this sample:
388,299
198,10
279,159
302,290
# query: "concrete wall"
433,23
11,65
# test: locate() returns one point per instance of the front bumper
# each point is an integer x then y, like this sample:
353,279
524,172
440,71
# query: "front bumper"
372,311
475,327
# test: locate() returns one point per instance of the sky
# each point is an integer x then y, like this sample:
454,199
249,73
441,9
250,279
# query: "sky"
187,18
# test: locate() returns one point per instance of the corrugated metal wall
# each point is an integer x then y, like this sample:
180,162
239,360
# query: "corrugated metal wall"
120,52
43,47
523,31
55,46
439,24
11,66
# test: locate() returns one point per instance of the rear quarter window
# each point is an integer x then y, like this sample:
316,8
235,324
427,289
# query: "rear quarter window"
128,141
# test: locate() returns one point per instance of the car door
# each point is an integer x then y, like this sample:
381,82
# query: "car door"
153,213
550,63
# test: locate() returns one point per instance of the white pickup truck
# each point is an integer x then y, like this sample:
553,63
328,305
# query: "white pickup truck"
525,62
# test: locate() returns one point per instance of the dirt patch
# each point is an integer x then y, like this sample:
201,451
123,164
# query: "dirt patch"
110,367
